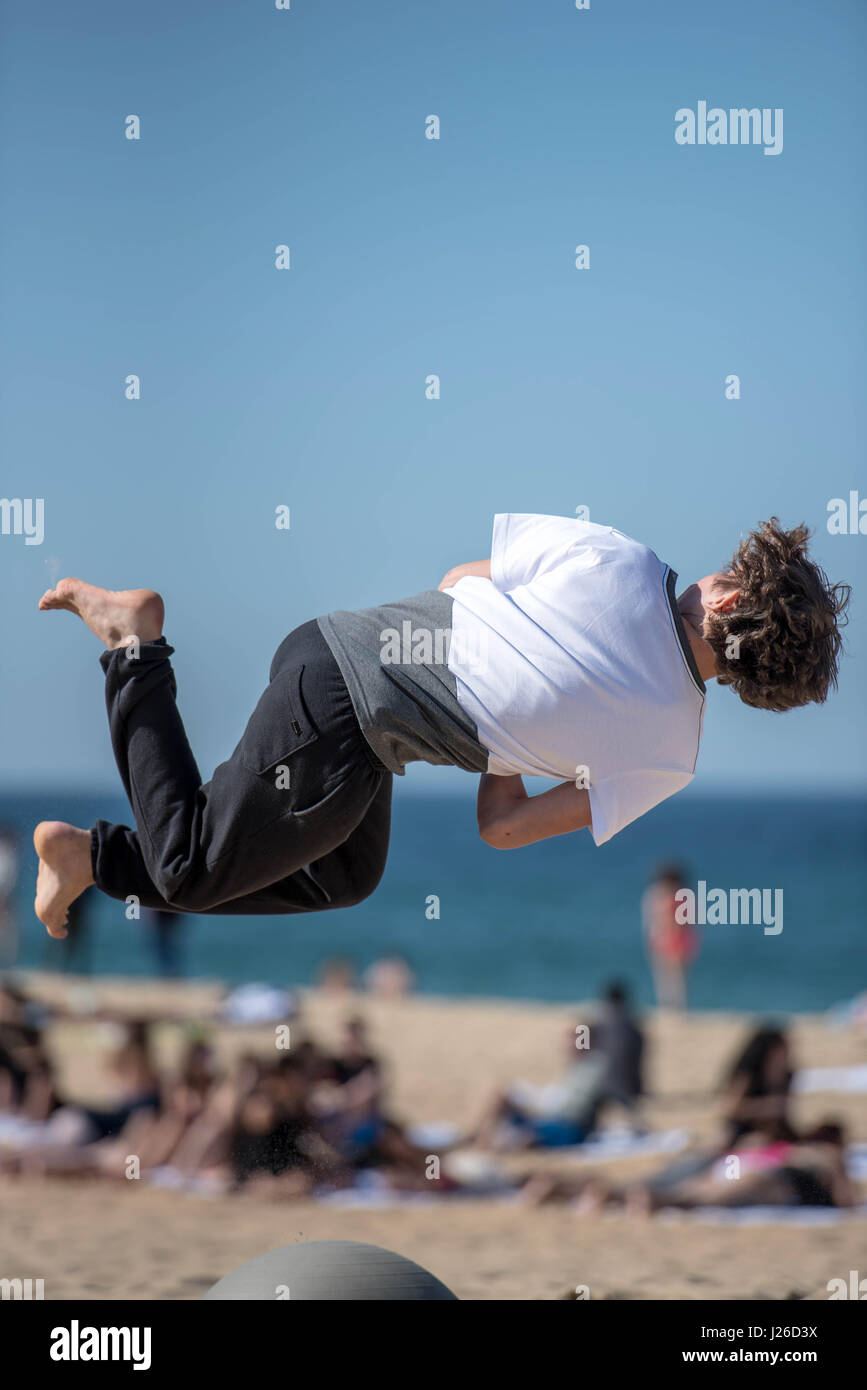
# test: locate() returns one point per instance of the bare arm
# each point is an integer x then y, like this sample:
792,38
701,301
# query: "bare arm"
509,818
479,567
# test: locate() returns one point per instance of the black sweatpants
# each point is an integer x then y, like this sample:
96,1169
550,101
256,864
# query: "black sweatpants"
297,820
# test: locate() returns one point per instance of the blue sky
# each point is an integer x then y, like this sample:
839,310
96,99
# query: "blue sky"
305,387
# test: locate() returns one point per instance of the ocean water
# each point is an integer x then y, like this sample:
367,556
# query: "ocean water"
553,921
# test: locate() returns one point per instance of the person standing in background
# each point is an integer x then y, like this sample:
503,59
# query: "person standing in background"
165,929
671,944
619,1039
8,879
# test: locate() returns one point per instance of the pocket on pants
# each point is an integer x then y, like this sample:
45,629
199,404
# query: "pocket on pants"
326,805
278,727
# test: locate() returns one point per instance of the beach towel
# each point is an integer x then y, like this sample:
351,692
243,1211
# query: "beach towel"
614,1144
765,1216
852,1079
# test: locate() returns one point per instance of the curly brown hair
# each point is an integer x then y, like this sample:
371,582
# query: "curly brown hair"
786,622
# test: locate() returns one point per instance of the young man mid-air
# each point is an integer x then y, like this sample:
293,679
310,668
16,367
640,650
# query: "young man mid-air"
566,656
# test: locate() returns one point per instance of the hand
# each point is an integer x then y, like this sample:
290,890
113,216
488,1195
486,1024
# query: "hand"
482,568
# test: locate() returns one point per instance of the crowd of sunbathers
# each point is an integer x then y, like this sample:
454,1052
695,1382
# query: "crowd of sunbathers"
301,1119
759,1157
315,1121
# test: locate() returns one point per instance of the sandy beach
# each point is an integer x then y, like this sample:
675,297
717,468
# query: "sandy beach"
116,1239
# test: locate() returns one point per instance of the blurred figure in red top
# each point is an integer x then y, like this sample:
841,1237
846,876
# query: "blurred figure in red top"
671,944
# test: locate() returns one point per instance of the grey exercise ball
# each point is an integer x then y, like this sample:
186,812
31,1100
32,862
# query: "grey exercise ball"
342,1270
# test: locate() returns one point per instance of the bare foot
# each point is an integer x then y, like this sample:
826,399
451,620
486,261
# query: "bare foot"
117,616
64,871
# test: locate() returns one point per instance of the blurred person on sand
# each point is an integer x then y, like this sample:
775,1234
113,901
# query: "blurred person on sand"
390,978
756,1109
559,1115
165,930
22,1047
354,1055
337,976
671,942
619,1040
565,655
8,879
810,1172
757,1092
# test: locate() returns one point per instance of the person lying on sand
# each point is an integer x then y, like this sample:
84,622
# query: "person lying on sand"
565,655
548,1117
808,1173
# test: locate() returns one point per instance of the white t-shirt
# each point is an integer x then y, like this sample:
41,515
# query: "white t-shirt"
573,656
